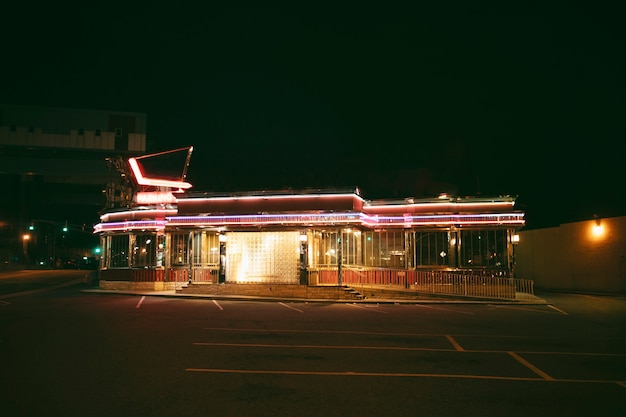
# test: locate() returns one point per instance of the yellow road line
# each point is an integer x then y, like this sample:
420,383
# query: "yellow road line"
397,374
530,366
267,345
454,343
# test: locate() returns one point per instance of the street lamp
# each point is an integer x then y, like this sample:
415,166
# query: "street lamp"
25,239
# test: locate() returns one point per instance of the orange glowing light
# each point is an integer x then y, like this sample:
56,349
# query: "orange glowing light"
597,230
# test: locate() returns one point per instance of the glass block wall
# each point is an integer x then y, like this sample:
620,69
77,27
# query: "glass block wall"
263,257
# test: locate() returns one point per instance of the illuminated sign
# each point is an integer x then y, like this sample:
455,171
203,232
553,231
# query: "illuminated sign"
157,197
155,182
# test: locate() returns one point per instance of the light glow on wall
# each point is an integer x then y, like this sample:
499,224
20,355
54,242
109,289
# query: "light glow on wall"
598,230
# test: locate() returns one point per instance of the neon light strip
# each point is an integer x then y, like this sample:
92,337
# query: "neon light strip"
460,219
317,219
122,215
131,225
266,219
443,221
440,204
434,206
141,180
503,218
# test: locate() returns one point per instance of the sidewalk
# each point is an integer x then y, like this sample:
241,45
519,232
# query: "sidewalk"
367,300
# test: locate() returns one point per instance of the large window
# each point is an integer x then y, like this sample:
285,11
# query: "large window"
431,248
144,249
178,249
358,248
118,250
351,247
205,249
384,249
324,249
484,248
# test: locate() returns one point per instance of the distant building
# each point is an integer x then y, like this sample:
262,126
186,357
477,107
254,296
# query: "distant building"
586,256
53,165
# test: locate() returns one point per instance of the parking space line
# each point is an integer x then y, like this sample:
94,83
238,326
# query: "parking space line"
269,345
469,313
558,309
454,343
218,305
140,301
522,308
530,366
248,330
368,309
40,290
293,308
396,374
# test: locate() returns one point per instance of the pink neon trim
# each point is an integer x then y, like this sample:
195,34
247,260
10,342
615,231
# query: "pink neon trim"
141,180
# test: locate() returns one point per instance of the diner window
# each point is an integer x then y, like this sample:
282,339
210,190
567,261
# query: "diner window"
205,249
323,249
351,247
384,249
431,248
484,248
118,251
178,249
143,251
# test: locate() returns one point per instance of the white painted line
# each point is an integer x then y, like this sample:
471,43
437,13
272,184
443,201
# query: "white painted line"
218,305
248,330
558,309
520,308
140,301
4,302
530,366
444,309
368,309
40,290
293,308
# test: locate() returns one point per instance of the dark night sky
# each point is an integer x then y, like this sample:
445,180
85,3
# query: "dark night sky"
401,101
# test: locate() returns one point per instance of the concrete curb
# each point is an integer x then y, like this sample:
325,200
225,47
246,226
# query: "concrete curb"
173,294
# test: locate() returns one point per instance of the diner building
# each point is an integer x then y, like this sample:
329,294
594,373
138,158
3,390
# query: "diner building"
169,236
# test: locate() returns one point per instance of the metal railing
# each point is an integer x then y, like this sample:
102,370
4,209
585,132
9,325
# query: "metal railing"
494,284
